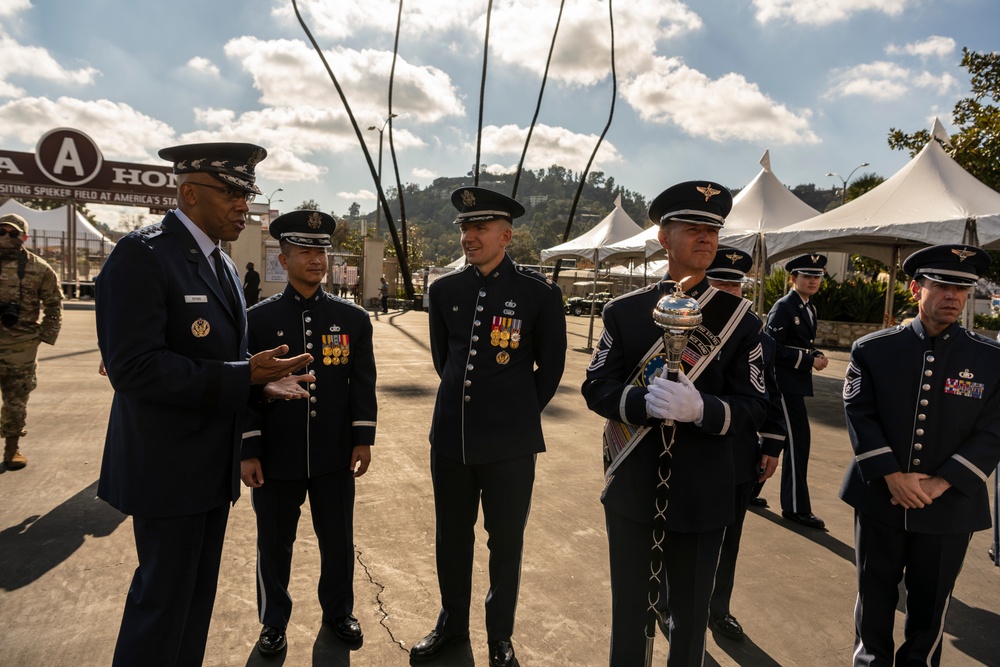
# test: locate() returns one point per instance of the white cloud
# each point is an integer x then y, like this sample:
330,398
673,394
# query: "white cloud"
13,7
882,80
289,73
121,132
339,21
34,62
723,109
423,174
359,196
203,66
823,12
935,45
549,146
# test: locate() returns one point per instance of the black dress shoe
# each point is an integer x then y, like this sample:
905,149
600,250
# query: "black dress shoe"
807,520
502,653
432,644
758,502
271,640
663,622
727,625
347,628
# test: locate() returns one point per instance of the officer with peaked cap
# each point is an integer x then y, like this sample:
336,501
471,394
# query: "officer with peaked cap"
923,414
29,289
792,324
498,341
316,447
171,327
721,394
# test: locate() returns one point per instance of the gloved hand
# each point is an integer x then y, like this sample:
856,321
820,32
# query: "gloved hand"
679,401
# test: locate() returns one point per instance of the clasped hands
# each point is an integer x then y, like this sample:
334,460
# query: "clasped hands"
678,401
913,490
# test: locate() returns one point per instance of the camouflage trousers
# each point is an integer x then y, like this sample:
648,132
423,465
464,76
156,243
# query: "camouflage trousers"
17,380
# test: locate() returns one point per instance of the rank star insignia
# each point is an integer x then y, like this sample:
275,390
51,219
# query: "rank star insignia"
963,254
708,191
468,198
734,257
314,220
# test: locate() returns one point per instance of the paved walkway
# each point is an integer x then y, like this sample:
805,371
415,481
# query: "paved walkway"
66,558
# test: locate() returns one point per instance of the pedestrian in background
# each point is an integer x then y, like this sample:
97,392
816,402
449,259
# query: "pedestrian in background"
29,289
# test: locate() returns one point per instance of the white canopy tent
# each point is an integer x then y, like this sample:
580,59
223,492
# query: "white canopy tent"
45,226
931,200
616,226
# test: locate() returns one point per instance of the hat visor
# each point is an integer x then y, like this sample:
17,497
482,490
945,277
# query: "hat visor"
947,278
808,272
727,275
482,216
308,240
693,218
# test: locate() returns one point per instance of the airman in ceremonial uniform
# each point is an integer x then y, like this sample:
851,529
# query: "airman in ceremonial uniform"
318,446
719,398
498,340
29,288
792,325
923,414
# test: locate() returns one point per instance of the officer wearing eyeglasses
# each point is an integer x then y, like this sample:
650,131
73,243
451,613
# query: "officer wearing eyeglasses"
172,330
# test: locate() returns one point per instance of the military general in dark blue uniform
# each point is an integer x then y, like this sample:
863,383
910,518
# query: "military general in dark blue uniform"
317,446
792,325
171,327
498,340
923,413
718,402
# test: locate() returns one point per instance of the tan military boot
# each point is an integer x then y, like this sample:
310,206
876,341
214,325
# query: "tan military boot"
12,456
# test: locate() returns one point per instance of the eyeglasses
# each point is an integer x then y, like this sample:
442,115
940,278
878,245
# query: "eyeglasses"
231,193
13,233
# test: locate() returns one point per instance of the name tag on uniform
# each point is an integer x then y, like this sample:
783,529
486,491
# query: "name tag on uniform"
195,298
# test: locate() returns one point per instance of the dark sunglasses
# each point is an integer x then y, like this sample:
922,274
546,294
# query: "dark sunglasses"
13,233
231,193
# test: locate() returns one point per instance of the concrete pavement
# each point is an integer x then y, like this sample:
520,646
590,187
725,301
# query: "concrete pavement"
66,558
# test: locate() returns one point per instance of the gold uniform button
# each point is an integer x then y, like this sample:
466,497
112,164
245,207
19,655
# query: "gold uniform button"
312,385
312,399
468,383
916,462
475,339
926,387
468,398
918,446
928,373
930,358
309,332
920,431
921,417
923,402
312,413
472,353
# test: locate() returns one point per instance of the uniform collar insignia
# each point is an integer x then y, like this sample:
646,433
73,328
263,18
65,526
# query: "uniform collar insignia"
708,191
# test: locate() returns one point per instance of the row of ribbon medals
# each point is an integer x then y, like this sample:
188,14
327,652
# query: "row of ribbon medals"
336,349
505,332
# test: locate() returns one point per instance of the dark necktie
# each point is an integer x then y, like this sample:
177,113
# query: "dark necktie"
224,282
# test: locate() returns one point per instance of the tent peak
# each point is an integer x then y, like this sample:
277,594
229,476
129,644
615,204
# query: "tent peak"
765,160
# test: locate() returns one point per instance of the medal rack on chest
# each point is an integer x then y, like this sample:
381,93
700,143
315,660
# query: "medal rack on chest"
505,332
336,349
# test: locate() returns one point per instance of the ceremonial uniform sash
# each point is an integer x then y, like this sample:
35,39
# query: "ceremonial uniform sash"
717,326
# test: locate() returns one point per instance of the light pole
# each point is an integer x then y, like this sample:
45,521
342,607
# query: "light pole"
845,181
378,204
269,197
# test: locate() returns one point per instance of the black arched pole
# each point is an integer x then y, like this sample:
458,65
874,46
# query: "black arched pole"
404,266
607,126
392,147
482,93
538,104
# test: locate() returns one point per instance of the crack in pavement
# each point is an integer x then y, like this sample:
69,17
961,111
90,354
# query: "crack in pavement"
381,608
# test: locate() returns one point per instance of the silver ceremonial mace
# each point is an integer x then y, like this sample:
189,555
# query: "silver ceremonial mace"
678,315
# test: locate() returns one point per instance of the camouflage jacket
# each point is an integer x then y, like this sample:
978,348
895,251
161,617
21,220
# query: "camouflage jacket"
38,294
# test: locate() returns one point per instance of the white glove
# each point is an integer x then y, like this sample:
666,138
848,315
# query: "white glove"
679,401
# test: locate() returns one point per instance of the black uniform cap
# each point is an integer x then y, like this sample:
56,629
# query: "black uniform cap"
231,163
306,228
953,264
697,202
808,265
476,204
730,264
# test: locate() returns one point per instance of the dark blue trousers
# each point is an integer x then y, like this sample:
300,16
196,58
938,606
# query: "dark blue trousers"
795,463
928,565
505,490
725,575
169,604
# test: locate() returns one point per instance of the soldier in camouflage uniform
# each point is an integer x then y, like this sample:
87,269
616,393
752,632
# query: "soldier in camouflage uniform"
28,288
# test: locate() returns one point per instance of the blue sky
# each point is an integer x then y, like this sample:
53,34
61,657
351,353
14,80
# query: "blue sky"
704,88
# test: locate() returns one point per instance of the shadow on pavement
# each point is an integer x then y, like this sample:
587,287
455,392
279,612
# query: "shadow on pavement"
456,654
821,537
744,652
31,548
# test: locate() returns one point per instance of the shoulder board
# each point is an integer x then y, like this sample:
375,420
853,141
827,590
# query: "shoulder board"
270,299
346,302
531,273
979,338
881,333
149,232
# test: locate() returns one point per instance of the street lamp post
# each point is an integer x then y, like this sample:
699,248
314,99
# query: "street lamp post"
845,181
269,197
378,204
